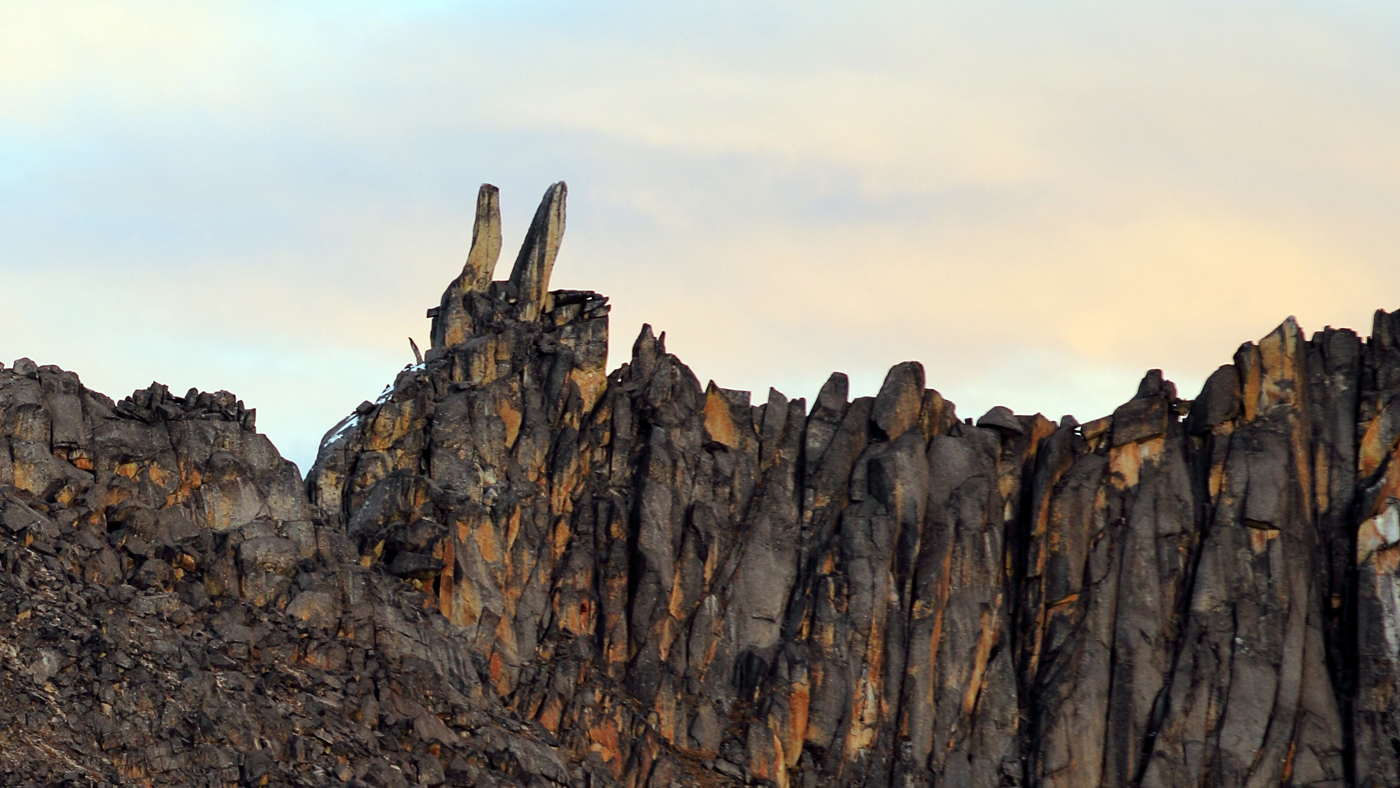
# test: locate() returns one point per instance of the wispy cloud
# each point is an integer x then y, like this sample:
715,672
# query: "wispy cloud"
1038,201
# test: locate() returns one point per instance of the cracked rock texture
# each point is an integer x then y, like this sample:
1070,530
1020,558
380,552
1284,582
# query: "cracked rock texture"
517,568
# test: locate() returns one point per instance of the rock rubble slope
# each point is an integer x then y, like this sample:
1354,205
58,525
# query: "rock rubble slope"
517,568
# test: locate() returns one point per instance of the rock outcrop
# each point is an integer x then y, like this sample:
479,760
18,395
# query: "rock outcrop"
173,612
515,567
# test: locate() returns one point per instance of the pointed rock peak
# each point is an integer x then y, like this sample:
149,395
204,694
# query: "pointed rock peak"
1286,339
1147,415
835,392
1281,375
453,319
1155,385
774,412
1218,402
535,264
1151,384
902,376
646,351
938,414
777,399
774,423
900,401
486,242
1001,417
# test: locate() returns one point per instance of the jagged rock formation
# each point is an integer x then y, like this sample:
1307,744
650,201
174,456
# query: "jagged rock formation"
515,567
174,613
875,593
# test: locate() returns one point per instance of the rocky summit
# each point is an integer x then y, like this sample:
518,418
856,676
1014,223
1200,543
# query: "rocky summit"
516,568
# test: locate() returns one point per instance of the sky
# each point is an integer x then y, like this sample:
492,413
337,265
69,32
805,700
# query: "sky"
1038,201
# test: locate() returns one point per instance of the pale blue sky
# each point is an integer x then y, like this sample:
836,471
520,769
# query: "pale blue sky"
1038,201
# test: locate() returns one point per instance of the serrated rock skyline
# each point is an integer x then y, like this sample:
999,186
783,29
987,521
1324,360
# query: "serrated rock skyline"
516,566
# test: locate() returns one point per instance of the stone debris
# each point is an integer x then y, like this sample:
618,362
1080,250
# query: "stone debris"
517,568
174,613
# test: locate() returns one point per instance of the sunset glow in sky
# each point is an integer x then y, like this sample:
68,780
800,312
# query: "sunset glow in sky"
1039,201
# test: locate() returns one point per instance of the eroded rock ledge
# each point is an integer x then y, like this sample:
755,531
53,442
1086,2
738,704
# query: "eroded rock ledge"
516,568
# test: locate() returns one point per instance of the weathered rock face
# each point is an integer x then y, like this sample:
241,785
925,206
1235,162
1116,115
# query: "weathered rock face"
676,581
516,567
173,612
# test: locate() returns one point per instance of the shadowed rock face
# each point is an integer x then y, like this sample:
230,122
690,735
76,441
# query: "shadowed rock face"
173,612
515,567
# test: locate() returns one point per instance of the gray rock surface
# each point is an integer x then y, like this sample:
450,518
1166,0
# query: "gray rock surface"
517,568
173,612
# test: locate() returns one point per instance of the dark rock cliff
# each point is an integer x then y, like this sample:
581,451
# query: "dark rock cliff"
517,568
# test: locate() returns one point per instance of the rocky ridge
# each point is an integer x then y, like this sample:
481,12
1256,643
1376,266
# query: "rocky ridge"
518,568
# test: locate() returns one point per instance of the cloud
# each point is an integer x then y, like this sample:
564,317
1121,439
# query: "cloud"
1038,202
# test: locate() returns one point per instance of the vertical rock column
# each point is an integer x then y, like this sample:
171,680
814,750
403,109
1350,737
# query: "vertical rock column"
1250,701
1111,537
1376,613
462,477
